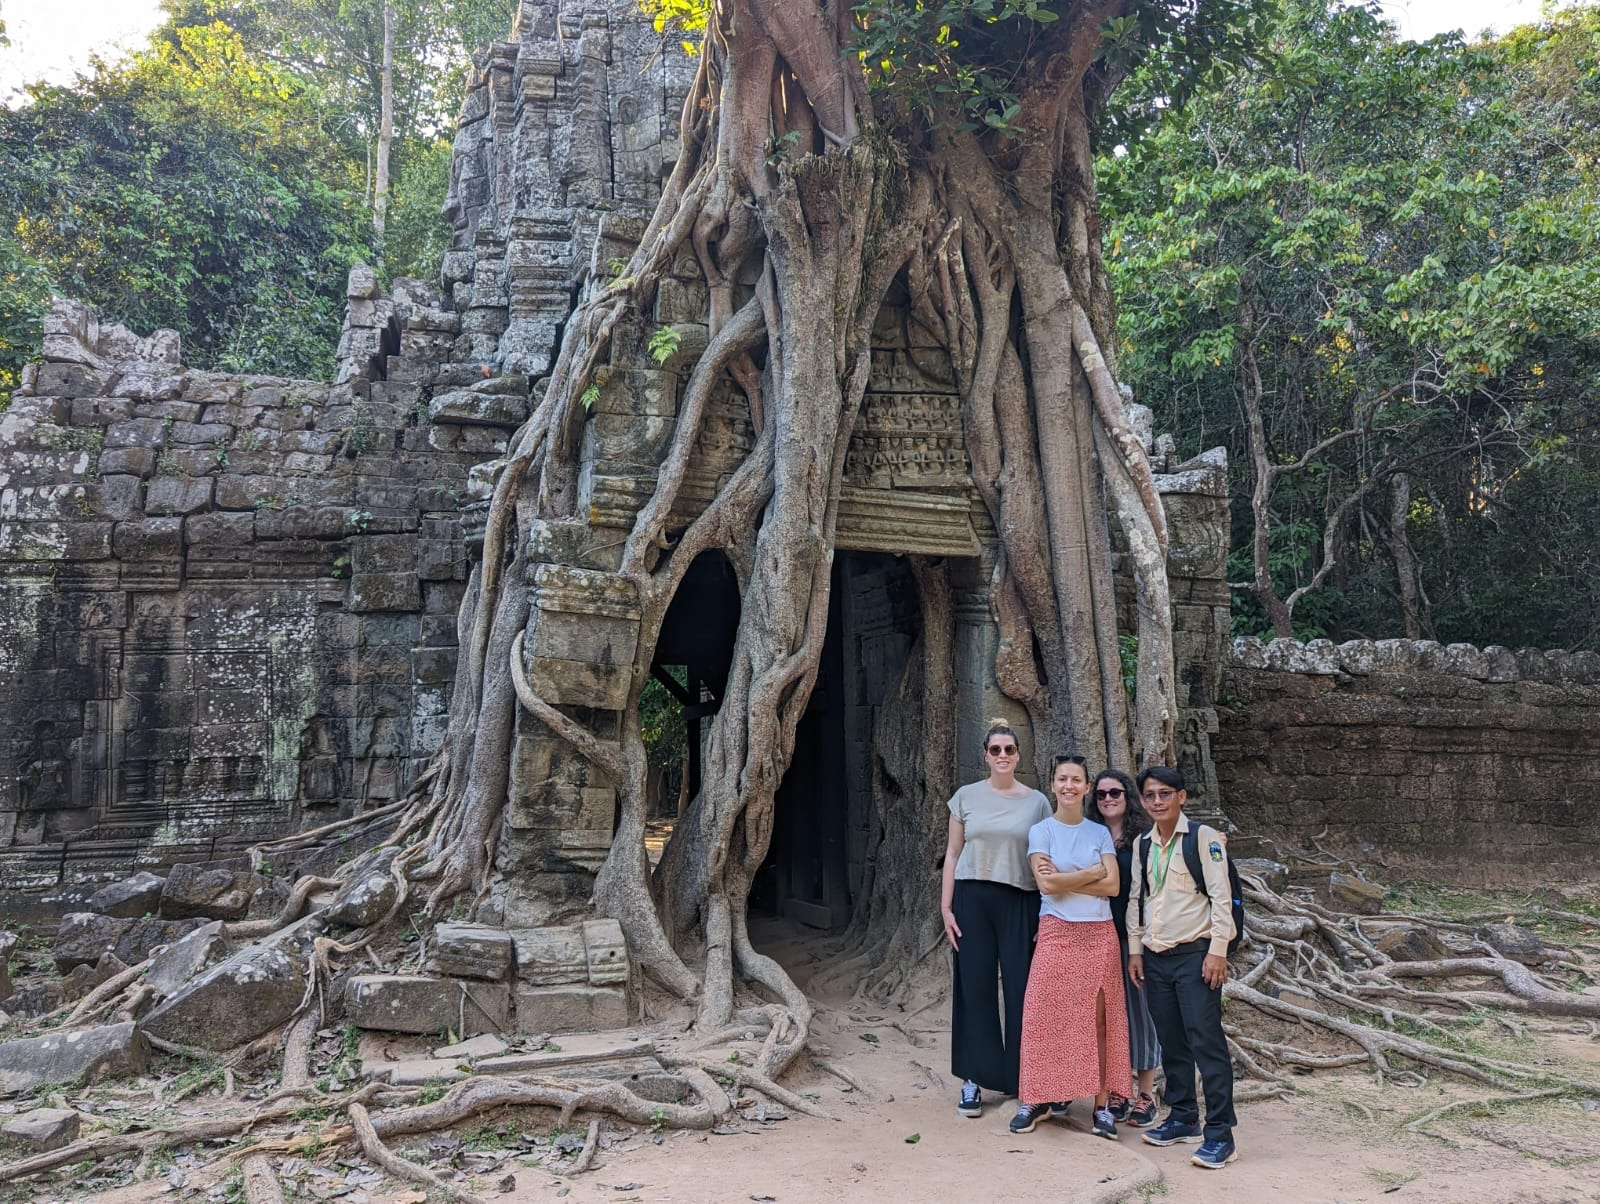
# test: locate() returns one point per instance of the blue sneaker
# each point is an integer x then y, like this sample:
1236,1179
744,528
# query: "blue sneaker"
1171,1132
1058,1110
1028,1117
1214,1155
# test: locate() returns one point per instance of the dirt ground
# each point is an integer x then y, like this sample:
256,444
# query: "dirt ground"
1337,1140
1318,1147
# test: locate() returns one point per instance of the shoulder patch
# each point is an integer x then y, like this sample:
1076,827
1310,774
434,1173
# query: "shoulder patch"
1216,850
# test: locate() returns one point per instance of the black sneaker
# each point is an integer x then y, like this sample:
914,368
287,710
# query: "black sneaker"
1118,1105
1104,1125
1028,1117
1058,1111
971,1104
1142,1113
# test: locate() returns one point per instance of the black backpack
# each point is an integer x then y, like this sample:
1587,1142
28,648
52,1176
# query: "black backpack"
1191,858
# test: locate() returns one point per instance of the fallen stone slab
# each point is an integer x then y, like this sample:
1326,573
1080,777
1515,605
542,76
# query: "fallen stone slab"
416,1003
571,1009
186,957
209,892
573,1058
470,951
145,935
35,999
1273,874
81,1055
602,1056
131,898
84,979
1410,943
1516,943
415,1072
1353,894
84,937
42,1129
369,892
486,1046
235,1001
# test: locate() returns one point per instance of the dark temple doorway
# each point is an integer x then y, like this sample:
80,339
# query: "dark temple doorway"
687,678
815,865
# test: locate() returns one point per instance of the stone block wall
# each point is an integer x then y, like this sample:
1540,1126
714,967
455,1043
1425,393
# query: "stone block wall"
227,603
1483,761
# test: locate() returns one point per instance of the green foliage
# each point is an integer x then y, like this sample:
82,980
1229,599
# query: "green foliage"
24,297
967,63
1401,239
661,722
193,188
664,343
417,235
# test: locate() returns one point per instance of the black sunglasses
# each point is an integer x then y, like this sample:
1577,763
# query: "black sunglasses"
1114,792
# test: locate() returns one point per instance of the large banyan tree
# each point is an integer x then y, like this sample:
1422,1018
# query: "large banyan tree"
832,153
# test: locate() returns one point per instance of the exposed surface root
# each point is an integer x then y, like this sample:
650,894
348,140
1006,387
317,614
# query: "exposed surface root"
1314,967
400,1168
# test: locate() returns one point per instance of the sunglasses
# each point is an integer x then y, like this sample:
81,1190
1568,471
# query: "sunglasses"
1002,750
1114,792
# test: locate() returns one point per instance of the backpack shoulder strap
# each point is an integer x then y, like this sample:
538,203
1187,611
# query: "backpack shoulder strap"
1191,858
1141,848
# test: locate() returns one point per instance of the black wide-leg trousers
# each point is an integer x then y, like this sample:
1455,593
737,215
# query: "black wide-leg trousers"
1188,1017
998,924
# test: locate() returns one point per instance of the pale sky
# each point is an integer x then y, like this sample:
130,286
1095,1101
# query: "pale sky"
53,39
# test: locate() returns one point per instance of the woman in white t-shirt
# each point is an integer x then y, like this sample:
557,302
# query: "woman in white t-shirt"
1074,1024
990,908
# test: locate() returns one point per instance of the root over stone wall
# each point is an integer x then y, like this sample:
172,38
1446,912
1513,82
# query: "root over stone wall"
1482,761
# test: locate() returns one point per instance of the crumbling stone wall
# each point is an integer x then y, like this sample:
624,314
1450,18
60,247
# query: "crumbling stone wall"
1486,760
227,603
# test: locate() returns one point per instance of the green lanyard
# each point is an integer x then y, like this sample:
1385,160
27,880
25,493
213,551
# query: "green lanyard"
1163,866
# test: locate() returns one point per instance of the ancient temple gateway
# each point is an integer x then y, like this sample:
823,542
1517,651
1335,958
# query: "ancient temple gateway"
227,604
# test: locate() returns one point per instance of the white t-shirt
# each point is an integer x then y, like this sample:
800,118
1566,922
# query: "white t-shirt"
1072,847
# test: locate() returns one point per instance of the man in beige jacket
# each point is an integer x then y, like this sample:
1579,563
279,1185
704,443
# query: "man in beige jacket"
1178,934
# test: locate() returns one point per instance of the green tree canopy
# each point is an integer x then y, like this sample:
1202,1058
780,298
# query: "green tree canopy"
192,187
1369,267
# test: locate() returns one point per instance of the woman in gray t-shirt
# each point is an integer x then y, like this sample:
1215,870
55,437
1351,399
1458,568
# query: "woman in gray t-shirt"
991,913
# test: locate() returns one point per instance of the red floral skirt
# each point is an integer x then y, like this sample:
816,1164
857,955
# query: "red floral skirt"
1073,963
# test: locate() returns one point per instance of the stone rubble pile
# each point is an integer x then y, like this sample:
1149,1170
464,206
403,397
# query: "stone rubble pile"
494,995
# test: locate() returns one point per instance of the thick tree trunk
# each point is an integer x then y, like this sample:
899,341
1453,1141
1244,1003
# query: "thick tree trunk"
995,241
380,186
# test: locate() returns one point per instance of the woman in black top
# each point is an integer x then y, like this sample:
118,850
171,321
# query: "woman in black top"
1115,803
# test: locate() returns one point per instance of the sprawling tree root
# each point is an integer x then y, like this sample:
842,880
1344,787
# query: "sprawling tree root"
1369,1002
400,1168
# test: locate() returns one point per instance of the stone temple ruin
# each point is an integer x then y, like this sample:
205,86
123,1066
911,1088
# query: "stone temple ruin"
227,603
228,613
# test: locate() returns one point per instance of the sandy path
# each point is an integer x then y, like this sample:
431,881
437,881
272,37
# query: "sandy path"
1314,1148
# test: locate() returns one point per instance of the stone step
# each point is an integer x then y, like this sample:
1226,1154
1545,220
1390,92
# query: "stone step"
608,1056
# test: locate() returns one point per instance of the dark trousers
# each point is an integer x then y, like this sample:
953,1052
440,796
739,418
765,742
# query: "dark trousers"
1188,1016
998,924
